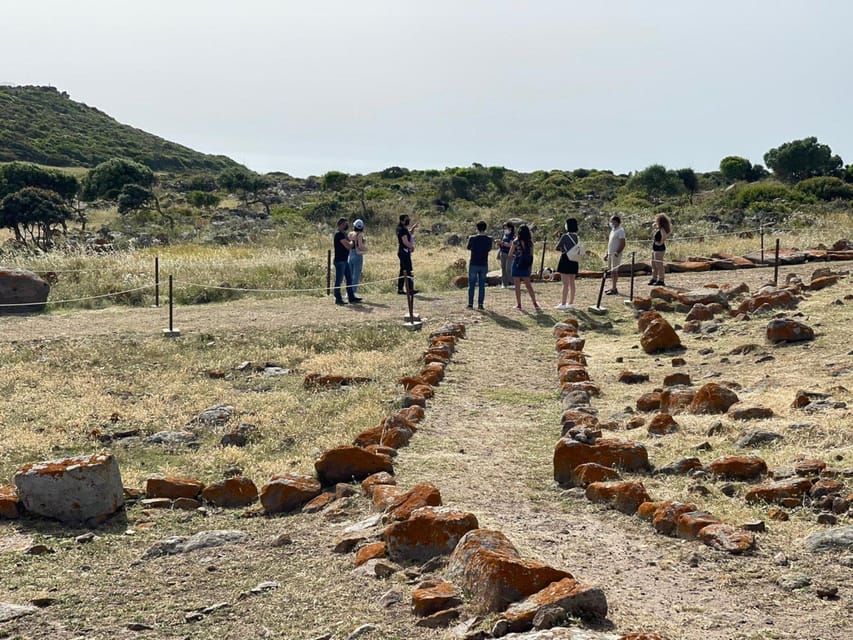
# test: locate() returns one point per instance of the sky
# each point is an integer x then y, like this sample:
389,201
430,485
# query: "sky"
310,86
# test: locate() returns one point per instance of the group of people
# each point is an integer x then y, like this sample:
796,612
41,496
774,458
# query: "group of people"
515,254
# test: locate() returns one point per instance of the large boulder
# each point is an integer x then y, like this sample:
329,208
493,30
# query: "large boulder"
429,532
348,463
73,490
608,452
659,336
22,289
576,599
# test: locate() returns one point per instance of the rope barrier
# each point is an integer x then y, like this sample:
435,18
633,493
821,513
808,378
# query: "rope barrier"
220,288
103,295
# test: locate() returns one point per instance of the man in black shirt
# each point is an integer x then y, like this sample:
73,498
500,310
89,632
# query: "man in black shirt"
342,245
479,245
405,246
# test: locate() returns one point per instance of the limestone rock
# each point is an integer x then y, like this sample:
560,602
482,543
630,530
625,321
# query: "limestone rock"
21,287
72,490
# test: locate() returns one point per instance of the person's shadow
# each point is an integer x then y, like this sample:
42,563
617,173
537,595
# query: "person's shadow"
505,321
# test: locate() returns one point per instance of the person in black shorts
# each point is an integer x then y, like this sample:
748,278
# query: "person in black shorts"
478,266
521,254
405,246
341,245
663,228
568,269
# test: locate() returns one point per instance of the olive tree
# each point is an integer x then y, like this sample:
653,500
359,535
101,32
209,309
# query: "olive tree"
33,214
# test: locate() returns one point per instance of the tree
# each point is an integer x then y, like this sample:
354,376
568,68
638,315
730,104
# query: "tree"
133,197
108,178
656,181
35,213
735,168
334,181
392,173
800,159
18,175
203,199
249,186
689,180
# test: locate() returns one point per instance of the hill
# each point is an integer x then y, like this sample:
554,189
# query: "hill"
45,126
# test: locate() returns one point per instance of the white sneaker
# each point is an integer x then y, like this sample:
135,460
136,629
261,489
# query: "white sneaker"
570,307
562,307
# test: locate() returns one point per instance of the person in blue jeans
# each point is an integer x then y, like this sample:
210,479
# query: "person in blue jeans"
342,245
479,245
356,253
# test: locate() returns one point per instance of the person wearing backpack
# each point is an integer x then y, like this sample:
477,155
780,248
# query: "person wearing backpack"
571,251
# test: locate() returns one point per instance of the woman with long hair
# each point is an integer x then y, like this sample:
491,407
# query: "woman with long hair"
521,254
663,228
567,268
503,253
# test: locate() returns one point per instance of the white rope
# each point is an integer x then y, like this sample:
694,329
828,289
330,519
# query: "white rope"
103,295
220,288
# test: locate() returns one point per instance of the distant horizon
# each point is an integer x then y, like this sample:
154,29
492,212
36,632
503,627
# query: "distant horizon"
307,88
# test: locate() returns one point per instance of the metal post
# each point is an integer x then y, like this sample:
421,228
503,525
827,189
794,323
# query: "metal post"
329,273
410,296
762,243
601,288
776,265
156,281
633,255
542,262
171,306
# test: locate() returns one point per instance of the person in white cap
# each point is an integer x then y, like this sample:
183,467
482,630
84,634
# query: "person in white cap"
356,253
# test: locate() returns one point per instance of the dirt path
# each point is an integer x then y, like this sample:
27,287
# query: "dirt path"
487,443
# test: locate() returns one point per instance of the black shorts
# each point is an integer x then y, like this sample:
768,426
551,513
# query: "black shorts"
567,266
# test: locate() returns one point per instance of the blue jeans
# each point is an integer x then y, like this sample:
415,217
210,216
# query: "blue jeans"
342,273
477,275
356,262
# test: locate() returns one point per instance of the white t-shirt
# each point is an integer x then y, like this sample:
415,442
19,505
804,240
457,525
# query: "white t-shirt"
613,243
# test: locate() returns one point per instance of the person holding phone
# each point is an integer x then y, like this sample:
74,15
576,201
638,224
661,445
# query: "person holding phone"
405,247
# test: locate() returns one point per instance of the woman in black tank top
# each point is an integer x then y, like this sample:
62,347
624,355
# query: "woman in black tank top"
662,227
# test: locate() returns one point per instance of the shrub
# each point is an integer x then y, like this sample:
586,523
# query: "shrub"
656,181
801,159
826,188
108,178
334,181
764,192
203,199
392,173
735,168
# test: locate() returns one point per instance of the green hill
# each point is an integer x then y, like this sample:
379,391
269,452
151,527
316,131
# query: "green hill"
45,126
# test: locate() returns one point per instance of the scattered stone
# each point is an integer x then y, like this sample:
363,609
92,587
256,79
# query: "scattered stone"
288,492
778,515
662,424
72,490
793,581
659,336
631,377
689,525
172,438
622,496
424,494
281,540
674,379
360,631
738,467
85,538
10,504
757,438
439,619
623,454
678,362
567,596
832,539
390,598
740,411
725,537
429,600
587,473
38,550
349,463
14,611
680,467
235,491
377,568
369,552
649,401
827,518
787,330
826,592
201,540
713,398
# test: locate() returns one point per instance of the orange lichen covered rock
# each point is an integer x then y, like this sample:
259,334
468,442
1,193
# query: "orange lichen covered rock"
662,424
666,516
777,492
424,494
738,467
659,336
567,343
689,524
370,482
573,373
438,597
10,506
781,299
319,503
412,414
585,474
577,600
608,452
474,541
288,492
173,488
646,318
383,495
495,579
649,401
572,417
725,537
369,552
622,496
571,357
432,373
231,492
348,463
429,532
787,330
713,398
674,401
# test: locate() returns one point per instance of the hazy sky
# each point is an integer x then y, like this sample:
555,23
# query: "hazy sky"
358,85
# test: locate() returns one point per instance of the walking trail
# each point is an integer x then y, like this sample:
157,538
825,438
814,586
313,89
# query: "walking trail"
487,443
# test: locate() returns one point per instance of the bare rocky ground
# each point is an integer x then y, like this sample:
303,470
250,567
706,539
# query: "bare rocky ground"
487,443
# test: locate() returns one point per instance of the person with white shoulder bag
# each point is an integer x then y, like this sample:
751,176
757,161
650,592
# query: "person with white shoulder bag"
356,253
572,251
